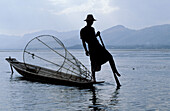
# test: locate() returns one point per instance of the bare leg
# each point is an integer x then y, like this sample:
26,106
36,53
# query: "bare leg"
93,75
93,72
113,66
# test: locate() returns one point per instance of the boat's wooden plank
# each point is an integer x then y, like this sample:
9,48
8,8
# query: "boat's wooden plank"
54,74
48,73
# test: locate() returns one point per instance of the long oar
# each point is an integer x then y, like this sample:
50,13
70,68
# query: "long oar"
116,79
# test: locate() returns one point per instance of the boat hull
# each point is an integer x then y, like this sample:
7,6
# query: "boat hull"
46,78
49,80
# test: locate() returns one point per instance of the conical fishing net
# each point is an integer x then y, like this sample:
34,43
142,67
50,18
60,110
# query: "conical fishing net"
49,52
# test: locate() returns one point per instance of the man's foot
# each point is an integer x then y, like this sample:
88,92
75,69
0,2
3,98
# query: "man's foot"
118,74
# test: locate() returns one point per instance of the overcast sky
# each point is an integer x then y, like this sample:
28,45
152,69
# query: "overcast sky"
24,16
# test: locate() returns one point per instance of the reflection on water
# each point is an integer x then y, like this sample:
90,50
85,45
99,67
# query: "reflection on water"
29,95
96,105
96,101
34,94
115,98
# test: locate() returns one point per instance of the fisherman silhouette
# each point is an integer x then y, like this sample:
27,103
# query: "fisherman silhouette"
98,54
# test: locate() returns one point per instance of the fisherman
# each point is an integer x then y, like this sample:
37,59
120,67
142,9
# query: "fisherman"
98,54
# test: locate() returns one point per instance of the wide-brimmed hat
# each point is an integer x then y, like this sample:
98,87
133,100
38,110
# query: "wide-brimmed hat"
90,18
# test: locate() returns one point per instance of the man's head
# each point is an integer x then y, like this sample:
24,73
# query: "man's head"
90,19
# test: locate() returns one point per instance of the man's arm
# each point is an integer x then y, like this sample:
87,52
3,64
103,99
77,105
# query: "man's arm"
85,48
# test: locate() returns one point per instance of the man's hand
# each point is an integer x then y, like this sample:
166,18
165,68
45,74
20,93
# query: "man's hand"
98,33
87,53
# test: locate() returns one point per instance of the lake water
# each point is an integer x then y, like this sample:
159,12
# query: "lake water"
145,86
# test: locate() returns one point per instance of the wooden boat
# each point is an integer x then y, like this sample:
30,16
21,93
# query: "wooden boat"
44,75
70,73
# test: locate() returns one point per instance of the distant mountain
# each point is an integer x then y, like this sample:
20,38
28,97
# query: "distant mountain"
19,42
152,36
114,37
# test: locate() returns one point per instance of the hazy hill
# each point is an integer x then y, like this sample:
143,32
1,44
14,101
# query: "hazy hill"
114,37
18,42
151,36
117,35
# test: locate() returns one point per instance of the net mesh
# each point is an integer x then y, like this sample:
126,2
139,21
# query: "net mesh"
49,52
